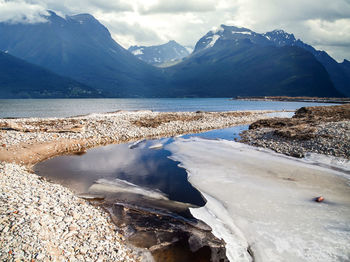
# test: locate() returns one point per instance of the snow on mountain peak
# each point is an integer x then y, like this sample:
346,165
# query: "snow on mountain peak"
213,40
217,30
138,52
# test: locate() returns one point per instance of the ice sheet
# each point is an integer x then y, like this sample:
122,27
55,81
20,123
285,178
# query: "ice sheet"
121,186
269,198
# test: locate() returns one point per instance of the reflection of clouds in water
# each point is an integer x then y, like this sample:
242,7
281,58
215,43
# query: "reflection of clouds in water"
144,167
107,159
136,165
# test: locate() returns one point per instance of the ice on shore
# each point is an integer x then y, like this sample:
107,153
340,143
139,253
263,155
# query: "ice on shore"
156,146
107,186
264,201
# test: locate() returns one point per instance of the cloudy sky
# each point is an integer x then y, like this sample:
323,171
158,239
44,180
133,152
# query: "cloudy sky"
325,24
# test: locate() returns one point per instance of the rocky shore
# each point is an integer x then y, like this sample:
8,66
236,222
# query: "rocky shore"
31,140
321,130
41,221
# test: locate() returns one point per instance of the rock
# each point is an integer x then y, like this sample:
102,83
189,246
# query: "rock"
319,199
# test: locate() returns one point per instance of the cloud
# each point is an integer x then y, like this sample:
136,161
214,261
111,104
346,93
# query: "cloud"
322,23
21,12
178,6
87,6
126,32
32,10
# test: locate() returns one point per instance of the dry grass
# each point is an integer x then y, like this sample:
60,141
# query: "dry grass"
303,125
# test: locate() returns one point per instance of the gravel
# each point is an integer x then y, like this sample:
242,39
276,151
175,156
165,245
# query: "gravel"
119,126
41,221
331,138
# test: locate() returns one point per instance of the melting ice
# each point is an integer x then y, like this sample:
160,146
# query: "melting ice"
263,202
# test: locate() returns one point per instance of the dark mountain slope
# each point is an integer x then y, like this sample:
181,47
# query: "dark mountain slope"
81,48
339,75
20,79
228,62
233,67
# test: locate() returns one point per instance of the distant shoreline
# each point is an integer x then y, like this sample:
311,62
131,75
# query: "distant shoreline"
334,100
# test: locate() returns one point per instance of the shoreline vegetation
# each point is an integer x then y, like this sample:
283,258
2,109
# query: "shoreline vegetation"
35,212
27,207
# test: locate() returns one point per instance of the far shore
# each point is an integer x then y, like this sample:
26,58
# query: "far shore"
334,100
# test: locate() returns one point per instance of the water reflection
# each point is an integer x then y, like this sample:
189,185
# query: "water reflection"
141,166
146,193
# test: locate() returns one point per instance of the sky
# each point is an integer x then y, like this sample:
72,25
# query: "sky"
325,24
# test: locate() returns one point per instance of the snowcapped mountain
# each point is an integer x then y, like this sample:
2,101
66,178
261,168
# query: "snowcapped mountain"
232,60
278,38
227,62
160,54
229,33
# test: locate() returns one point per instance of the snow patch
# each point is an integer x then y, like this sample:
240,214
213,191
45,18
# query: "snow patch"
243,33
138,51
156,146
216,30
213,40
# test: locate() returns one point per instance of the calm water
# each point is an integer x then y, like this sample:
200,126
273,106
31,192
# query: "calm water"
73,107
110,166
136,163
133,178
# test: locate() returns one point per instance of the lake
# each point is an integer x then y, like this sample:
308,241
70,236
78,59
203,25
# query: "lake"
72,107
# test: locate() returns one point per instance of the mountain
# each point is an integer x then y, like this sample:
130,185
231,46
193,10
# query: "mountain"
160,54
237,61
345,65
20,79
81,48
338,73
227,62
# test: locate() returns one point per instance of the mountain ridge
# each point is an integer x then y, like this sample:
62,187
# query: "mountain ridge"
239,66
80,47
169,52
279,38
